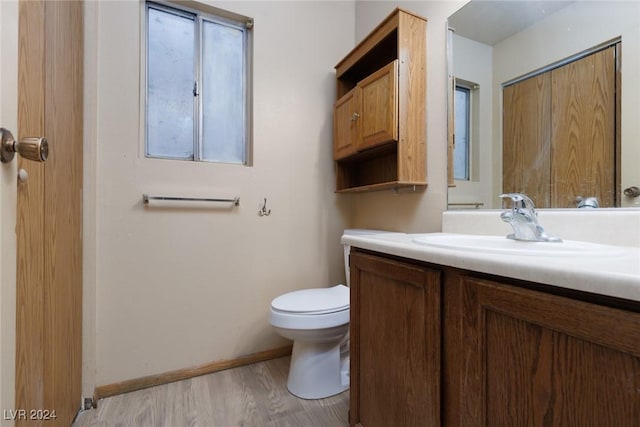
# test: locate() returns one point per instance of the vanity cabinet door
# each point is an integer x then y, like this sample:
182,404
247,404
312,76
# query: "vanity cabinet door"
395,343
517,357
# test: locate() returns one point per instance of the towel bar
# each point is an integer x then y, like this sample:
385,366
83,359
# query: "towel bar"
147,197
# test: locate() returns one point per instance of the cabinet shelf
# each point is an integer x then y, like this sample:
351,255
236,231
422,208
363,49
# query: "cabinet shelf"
375,169
379,115
391,185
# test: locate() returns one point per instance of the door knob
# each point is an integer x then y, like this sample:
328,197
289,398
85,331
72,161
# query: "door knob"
632,191
31,148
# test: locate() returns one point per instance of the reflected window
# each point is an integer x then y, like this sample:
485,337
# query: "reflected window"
197,80
461,152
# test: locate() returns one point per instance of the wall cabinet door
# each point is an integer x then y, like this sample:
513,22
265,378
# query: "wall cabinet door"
517,357
378,122
367,116
345,126
395,343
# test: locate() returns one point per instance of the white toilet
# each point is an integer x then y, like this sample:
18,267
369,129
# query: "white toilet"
317,320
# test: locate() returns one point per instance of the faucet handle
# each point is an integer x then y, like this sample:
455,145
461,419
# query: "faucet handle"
520,201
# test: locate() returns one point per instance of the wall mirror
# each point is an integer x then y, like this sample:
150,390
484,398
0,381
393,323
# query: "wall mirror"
543,99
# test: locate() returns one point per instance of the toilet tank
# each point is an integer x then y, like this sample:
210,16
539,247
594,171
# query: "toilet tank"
347,248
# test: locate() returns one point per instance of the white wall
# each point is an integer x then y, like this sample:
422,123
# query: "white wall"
420,211
177,287
8,195
562,35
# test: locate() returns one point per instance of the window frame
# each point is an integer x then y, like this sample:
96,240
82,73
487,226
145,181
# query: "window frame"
468,88
220,17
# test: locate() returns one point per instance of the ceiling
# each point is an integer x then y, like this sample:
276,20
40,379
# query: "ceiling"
490,22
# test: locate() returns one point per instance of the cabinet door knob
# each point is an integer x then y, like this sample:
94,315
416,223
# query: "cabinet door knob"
355,117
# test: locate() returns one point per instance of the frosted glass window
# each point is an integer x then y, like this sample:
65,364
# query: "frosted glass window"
462,132
222,93
170,71
197,106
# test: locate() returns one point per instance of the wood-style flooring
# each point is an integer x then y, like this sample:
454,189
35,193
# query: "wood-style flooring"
250,396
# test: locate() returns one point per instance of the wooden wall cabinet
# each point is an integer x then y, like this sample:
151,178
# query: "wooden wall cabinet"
367,116
379,116
434,345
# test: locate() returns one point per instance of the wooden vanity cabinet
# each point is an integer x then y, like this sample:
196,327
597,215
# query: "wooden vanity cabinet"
513,353
521,357
379,119
395,343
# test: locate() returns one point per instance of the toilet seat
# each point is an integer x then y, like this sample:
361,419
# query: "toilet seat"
314,301
281,319
316,308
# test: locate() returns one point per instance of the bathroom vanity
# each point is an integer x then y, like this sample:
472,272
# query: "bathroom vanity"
441,336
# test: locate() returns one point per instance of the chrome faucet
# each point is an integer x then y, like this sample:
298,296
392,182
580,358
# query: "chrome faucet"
587,202
524,220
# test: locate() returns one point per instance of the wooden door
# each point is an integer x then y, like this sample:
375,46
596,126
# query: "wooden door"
560,134
49,217
526,136
395,343
583,130
517,357
378,121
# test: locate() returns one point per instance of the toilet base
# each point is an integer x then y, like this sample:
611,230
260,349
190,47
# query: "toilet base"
319,370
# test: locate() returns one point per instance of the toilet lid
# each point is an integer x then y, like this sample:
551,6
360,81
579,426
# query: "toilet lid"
314,301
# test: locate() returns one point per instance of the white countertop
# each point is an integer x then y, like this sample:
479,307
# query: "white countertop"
616,276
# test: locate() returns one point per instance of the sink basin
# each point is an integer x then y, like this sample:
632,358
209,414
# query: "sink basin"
502,245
